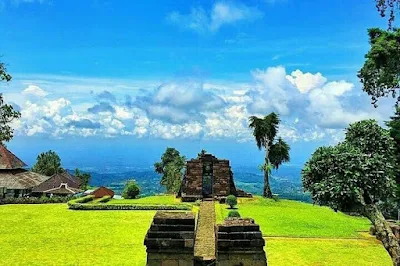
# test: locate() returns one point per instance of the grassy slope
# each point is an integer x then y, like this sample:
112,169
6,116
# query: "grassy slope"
303,234
292,218
53,235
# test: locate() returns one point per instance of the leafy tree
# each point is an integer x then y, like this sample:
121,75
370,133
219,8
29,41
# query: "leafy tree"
48,163
394,129
380,72
231,200
265,131
357,175
131,190
83,177
171,166
7,112
388,8
201,153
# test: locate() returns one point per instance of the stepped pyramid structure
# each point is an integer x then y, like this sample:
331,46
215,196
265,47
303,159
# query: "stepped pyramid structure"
208,177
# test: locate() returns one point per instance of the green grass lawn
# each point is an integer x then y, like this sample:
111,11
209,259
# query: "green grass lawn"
164,199
296,219
51,234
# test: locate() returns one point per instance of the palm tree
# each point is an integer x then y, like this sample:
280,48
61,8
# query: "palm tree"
264,131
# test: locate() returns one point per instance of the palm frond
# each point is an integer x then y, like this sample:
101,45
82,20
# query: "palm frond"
279,153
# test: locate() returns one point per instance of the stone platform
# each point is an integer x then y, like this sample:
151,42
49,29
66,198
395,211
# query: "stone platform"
170,239
174,240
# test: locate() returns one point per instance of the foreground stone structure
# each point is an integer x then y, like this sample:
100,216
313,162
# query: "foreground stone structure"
208,177
170,239
240,242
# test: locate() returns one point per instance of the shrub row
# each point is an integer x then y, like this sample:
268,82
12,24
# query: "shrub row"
35,200
79,206
85,199
104,199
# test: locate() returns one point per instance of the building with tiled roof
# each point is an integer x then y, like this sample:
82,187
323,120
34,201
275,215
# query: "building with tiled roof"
15,181
58,184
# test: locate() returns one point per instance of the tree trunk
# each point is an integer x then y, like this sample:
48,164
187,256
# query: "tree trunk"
384,233
267,193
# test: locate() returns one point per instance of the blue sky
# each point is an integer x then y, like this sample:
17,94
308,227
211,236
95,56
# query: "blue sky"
103,82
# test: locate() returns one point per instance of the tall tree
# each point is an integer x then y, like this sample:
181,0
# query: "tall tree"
83,177
48,163
357,175
380,74
7,112
265,131
394,129
171,166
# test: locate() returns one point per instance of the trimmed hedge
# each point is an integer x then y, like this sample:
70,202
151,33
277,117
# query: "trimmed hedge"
35,200
104,199
79,206
85,199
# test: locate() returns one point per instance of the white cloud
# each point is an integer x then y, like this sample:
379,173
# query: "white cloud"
305,82
221,13
311,107
34,91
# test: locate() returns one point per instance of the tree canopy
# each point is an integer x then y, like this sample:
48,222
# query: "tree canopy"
131,190
387,8
170,166
7,112
48,163
380,72
83,177
357,175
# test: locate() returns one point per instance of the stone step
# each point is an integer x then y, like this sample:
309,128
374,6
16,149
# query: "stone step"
171,227
240,235
171,234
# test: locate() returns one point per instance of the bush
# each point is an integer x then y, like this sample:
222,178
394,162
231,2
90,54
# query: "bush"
197,203
79,206
234,214
35,200
104,199
81,200
231,200
131,190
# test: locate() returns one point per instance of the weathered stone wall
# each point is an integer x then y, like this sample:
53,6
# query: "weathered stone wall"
170,239
192,185
222,178
240,242
193,179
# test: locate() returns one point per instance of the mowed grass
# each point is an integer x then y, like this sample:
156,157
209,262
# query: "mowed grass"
302,234
296,219
326,252
50,234
162,199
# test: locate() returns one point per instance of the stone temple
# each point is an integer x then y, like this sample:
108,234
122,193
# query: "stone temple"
208,177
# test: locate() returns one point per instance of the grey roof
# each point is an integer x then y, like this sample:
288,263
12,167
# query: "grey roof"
20,179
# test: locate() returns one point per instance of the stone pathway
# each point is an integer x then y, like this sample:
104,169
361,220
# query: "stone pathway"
204,249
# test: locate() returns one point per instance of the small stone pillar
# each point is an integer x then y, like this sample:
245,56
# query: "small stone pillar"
240,242
170,239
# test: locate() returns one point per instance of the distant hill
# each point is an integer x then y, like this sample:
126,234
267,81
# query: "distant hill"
286,181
